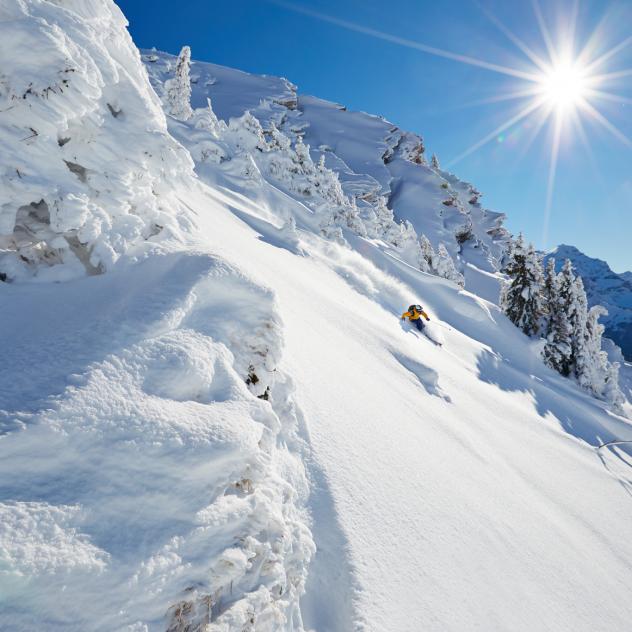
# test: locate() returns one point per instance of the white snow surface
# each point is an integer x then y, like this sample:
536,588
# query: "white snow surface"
231,429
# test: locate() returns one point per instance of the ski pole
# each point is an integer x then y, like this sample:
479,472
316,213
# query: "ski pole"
616,442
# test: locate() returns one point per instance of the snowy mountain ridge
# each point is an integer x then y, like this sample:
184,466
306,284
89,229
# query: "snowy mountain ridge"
215,420
371,157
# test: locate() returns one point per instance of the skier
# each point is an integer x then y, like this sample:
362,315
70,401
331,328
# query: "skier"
414,314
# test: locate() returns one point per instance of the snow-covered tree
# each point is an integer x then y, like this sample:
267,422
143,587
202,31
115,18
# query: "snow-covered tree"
612,393
246,134
507,256
404,237
591,367
383,224
278,140
550,289
595,373
206,142
206,119
178,89
434,162
427,253
573,336
293,167
514,248
558,350
444,266
521,297
566,345
577,315
302,153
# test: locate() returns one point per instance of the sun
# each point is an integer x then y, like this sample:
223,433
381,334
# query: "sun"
564,86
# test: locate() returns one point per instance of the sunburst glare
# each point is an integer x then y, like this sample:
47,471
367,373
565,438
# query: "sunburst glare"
564,87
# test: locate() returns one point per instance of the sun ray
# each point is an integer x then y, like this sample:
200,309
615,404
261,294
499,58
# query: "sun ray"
572,28
538,61
600,118
501,128
608,96
619,74
407,43
550,186
544,31
583,136
589,49
541,120
608,54
509,96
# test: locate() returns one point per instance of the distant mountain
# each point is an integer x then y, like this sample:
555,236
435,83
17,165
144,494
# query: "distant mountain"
607,288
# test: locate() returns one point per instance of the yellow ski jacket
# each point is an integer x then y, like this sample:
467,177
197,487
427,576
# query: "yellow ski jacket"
415,315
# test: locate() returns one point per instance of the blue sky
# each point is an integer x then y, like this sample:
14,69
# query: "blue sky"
345,60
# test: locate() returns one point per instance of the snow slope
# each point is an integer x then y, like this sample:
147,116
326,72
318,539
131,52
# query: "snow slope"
465,480
178,432
604,287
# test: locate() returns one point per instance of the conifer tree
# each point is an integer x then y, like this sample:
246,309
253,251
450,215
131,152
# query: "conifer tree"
612,392
206,119
591,367
558,350
178,89
550,290
521,297
444,266
427,254
384,219
577,315
508,255
434,162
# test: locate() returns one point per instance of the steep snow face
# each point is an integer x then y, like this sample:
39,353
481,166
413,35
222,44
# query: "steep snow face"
370,156
87,164
151,473
603,287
